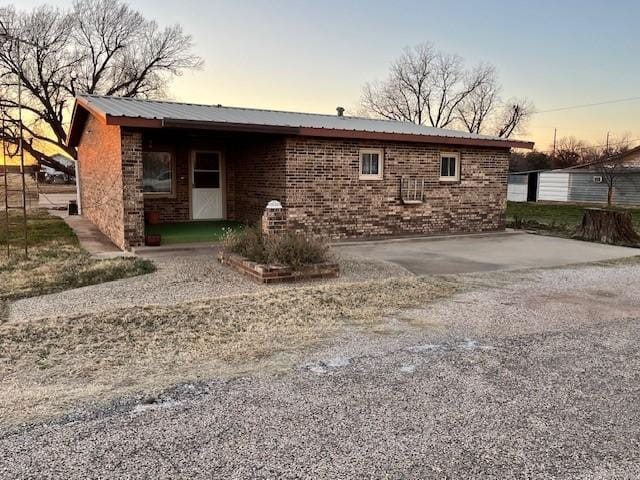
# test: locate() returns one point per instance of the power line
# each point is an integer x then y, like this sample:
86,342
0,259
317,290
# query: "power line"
590,147
587,105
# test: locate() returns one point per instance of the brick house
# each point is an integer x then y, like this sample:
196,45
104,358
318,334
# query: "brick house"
341,176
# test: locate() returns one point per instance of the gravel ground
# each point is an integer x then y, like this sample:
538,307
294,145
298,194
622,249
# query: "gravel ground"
179,277
534,375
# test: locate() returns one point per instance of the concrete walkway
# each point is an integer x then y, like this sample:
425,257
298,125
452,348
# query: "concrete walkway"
91,239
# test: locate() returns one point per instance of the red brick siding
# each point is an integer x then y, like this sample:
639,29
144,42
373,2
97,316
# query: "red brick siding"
256,175
132,192
100,175
325,195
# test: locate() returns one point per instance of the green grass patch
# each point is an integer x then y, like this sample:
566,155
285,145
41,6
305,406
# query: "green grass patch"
192,232
554,217
55,262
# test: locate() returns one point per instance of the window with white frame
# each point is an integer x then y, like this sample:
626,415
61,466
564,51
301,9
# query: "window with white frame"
371,164
449,167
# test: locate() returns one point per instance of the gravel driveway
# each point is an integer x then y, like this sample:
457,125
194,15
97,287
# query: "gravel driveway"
535,375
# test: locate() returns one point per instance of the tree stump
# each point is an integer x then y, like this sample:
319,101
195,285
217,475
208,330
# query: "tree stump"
607,226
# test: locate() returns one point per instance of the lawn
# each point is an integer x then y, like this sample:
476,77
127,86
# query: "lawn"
50,364
554,216
192,232
55,262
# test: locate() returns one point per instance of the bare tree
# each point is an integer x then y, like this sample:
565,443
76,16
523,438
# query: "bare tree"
570,151
610,169
97,47
513,116
610,164
430,87
477,107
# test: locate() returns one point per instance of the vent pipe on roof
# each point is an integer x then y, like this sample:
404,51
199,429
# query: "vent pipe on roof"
340,111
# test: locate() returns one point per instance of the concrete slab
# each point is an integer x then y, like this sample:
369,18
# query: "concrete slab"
90,238
489,252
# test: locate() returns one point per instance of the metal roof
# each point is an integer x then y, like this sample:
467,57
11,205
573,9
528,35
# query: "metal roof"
171,112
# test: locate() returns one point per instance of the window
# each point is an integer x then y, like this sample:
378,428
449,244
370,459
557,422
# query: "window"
371,164
157,173
412,190
449,167
206,170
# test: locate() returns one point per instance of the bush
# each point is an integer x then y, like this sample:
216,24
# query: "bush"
292,249
249,243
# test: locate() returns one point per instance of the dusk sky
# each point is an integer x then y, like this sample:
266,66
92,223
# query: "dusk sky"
313,56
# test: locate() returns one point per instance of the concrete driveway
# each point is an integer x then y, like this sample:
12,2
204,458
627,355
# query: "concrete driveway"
482,253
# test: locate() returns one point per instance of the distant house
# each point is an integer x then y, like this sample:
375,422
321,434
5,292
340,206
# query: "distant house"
51,175
344,177
579,184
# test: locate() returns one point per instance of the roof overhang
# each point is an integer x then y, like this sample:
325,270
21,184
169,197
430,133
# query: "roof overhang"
83,109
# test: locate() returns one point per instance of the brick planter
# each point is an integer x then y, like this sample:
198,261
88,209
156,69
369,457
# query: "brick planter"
277,274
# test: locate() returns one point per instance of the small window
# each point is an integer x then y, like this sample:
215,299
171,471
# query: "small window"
412,190
206,170
371,164
157,173
449,167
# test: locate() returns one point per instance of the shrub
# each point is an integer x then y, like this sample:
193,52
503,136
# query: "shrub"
292,249
295,250
249,243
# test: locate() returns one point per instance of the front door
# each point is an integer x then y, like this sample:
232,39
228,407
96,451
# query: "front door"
207,198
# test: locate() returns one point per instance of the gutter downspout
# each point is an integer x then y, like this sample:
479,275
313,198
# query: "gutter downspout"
76,168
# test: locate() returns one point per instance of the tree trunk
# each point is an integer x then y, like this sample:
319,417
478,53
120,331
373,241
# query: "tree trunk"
607,226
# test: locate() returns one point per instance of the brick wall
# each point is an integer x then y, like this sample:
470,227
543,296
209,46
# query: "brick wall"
101,178
256,175
324,194
132,191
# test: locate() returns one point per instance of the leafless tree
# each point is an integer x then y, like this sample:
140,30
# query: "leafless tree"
430,87
570,151
610,163
96,47
512,116
477,107
610,169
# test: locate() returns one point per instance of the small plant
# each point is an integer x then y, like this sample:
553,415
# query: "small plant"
295,249
249,243
292,249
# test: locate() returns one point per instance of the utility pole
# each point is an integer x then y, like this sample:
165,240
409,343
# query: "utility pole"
607,148
555,133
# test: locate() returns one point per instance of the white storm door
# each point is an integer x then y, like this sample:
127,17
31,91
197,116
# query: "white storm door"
206,186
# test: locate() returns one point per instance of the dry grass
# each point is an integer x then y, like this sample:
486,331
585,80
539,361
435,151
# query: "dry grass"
55,262
48,365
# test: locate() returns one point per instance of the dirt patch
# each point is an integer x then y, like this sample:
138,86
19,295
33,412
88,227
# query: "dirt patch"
48,365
